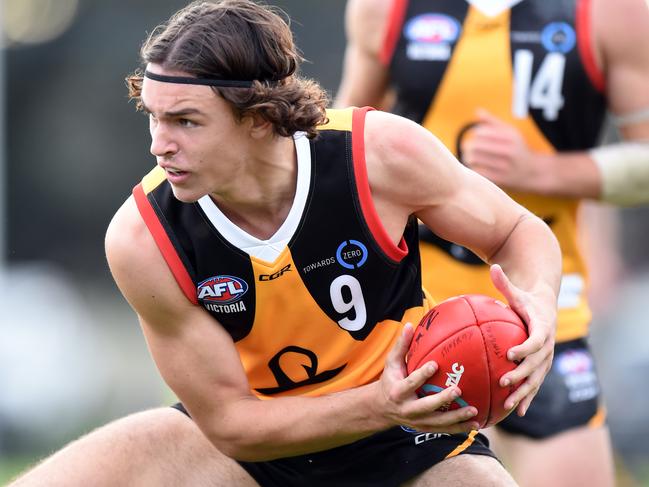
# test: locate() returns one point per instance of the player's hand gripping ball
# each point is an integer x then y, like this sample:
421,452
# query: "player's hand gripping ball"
468,336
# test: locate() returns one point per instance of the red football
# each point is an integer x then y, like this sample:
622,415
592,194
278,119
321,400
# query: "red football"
468,336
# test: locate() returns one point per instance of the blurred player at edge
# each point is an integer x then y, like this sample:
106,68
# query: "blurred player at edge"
274,267
518,90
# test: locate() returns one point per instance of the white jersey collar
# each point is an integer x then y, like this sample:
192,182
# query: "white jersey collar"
267,250
491,8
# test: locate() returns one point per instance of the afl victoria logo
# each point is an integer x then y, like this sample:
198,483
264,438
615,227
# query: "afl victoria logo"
573,361
222,289
432,28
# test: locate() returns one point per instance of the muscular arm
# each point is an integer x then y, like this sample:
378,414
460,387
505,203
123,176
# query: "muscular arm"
454,202
199,361
622,34
364,79
621,30
461,206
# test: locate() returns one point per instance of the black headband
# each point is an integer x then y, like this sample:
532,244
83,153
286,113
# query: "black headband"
187,80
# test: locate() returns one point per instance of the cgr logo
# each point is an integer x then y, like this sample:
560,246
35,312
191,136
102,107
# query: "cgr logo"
455,376
279,273
222,289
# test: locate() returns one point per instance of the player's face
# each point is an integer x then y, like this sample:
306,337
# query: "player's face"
194,136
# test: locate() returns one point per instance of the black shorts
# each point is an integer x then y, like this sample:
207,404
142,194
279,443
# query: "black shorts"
568,398
385,459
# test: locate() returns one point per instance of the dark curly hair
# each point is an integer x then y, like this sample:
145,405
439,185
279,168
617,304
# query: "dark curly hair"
240,40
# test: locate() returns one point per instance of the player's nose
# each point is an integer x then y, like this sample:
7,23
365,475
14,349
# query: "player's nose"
162,144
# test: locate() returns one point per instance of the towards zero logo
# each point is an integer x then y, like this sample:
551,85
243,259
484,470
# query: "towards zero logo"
351,254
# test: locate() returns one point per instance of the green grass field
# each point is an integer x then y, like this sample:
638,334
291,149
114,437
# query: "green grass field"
10,467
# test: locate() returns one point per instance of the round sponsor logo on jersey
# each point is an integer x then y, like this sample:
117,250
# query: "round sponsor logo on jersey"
222,289
558,37
432,28
351,254
574,362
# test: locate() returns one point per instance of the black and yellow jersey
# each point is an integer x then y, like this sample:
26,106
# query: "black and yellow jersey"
315,308
532,66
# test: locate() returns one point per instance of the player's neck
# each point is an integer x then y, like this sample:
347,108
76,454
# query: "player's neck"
260,200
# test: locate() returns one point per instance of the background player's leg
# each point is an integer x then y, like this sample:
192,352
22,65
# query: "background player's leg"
160,447
465,471
579,456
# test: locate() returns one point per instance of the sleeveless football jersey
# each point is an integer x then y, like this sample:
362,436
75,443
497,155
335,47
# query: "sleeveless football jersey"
315,308
530,65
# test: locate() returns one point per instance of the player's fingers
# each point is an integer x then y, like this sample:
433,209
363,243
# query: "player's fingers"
530,385
509,291
522,397
485,116
453,422
486,155
396,356
487,143
515,398
535,382
530,363
533,344
502,282
442,416
524,405
415,380
540,337
497,134
437,403
450,421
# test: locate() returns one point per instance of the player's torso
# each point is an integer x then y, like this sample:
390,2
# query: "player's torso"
314,309
531,66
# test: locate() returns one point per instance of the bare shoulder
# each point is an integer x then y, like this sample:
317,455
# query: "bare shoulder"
139,268
366,22
398,149
411,172
621,28
127,238
373,12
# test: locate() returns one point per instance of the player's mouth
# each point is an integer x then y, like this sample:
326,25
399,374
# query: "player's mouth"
176,176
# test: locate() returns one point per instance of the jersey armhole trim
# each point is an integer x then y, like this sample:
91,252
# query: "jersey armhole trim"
164,244
394,252
392,31
585,45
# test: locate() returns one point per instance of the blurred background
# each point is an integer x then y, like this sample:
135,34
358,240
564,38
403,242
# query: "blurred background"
71,148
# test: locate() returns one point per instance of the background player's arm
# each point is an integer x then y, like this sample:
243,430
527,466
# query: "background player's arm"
198,360
622,35
364,79
411,172
498,151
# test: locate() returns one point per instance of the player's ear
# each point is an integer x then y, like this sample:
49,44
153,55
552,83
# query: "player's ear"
258,126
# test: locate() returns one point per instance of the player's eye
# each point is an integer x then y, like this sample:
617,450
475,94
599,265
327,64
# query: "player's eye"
185,122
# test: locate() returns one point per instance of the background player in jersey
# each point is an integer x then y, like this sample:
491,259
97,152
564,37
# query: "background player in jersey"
266,263
518,90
